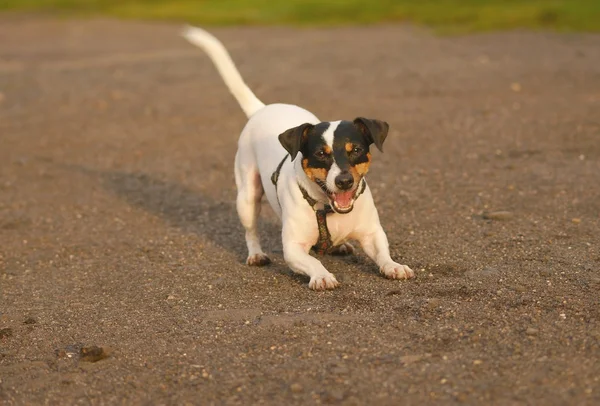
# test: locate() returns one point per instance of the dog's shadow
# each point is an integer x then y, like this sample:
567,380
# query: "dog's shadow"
192,211
187,209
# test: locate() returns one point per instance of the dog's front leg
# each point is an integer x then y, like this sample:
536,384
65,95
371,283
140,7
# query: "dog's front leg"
375,245
297,257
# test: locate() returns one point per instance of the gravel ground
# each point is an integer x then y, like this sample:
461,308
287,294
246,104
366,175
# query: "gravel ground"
122,269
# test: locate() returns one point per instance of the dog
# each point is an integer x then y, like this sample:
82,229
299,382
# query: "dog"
312,173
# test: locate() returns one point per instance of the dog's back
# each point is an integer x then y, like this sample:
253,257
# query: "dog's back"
260,138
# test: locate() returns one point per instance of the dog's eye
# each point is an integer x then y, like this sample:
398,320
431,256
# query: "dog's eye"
320,154
356,150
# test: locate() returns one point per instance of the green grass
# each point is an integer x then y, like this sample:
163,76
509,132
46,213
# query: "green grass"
443,15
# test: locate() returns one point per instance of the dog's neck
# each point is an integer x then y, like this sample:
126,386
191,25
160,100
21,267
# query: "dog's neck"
311,187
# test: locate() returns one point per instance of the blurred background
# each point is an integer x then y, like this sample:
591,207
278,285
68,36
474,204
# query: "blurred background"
445,16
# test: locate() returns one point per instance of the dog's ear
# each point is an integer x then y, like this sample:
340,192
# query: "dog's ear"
375,131
294,139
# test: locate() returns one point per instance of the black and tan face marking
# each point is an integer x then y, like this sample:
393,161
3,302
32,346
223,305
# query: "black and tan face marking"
342,145
317,154
351,154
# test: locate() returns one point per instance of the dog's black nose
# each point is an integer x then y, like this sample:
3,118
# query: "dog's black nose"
344,180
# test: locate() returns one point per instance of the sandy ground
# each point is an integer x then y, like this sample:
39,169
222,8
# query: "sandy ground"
118,227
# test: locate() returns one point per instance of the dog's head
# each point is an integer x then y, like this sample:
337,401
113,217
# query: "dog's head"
335,155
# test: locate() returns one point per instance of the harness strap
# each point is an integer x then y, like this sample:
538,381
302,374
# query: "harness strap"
275,175
362,188
324,243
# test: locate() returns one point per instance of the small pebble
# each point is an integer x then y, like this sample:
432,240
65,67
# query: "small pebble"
92,354
296,388
6,332
30,320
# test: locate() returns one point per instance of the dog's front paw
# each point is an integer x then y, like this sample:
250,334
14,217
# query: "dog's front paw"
258,260
343,249
397,271
323,282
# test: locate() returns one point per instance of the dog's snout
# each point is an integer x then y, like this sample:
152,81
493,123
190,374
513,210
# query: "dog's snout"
344,180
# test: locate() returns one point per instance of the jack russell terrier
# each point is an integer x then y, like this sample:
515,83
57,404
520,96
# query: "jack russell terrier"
313,174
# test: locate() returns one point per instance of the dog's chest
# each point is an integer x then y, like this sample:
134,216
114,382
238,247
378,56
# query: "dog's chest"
341,226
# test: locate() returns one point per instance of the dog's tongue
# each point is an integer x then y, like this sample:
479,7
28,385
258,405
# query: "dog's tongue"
344,199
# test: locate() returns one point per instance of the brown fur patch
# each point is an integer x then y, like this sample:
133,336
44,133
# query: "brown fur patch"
360,170
349,146
314,173
327,149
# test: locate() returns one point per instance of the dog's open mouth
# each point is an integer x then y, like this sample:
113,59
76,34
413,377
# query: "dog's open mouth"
341,202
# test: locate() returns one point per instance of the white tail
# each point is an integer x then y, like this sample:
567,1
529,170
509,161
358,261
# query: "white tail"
231,76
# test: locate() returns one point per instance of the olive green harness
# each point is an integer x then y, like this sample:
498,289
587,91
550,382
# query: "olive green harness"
324,244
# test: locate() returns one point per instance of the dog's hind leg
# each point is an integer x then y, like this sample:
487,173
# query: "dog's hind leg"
250,192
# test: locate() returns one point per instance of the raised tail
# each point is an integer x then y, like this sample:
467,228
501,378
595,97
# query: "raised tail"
231,76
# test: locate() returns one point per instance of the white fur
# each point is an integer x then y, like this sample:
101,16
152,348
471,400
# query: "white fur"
333,172
260,152
219,55
328,134
335,169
